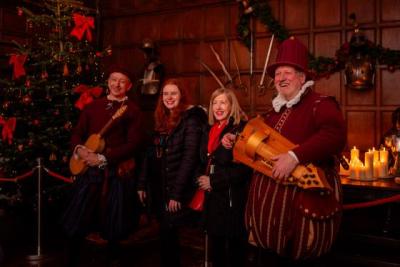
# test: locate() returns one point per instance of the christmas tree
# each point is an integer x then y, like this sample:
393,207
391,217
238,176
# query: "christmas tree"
50,78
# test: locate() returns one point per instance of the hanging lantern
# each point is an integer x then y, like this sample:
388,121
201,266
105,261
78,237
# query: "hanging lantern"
360,67
359,72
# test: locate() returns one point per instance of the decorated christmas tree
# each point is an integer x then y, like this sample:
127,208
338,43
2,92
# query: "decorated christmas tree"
51,77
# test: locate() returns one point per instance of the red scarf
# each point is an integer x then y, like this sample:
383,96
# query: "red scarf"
213,136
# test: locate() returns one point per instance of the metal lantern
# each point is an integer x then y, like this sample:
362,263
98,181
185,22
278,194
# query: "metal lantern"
360,67
359,72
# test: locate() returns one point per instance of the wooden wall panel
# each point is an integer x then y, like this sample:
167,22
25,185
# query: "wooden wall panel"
192,83
169,56
190,57
215,21
171,26
184,30
390,10
242,55
364,10
327,43
109,31
360,98
192,24
330,86
208,57
124,30
146,27
296,14
327,13
390,88
261,47
361,129
391,37
386,122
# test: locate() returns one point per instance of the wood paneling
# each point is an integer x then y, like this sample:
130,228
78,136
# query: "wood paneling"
390,10
327,43
297,14
215,21
192,24
184,30
364,10
390,88
391,37
190,57
330,86
171,26
360,129
327,13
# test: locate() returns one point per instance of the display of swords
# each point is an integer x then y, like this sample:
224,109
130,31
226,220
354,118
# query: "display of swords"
229,81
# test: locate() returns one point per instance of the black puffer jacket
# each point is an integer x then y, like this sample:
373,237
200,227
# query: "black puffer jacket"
169,166
225,203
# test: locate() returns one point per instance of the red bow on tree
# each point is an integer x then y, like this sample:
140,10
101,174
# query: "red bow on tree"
82,25
8,128
18,61
87,95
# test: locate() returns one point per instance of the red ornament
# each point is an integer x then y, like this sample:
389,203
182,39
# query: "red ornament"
30,142
20,12
28,83
44,75
36,122
27,99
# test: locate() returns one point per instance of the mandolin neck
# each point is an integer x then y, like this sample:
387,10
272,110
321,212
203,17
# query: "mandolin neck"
106,127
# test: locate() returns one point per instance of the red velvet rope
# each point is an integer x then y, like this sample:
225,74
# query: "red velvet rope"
58,176
372,203
20,177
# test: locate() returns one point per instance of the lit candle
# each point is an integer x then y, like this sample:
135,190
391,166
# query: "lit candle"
352,170
369,164
354,153
383,155
376,154
377,167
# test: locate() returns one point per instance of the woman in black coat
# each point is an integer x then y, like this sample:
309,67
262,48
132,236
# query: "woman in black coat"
225,183
168,169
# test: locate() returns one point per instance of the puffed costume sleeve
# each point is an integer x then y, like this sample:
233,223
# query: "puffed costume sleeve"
330,136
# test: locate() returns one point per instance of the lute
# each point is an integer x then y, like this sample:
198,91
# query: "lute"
95,143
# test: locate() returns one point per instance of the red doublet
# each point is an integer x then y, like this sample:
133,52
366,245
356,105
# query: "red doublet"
293,222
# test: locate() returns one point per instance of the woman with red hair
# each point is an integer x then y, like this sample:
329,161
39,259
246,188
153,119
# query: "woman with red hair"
169,166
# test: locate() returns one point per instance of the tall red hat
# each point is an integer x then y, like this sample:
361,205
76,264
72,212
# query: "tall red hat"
291,52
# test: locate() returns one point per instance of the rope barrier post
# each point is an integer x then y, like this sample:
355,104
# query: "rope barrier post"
38,257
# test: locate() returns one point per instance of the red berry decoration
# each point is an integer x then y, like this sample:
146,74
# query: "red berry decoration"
27,99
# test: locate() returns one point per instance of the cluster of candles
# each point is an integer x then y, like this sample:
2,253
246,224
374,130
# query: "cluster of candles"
375,164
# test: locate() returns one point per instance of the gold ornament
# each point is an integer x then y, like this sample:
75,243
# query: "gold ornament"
79,69
52,157
66,70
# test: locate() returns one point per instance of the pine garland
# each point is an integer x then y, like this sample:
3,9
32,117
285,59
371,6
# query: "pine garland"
319,66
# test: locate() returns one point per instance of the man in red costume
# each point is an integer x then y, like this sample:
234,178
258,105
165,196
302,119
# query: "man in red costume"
103,197
298,224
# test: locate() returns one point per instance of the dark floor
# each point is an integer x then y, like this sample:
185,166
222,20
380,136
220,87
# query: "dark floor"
141,250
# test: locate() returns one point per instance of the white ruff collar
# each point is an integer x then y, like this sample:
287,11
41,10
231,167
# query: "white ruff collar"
279,101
